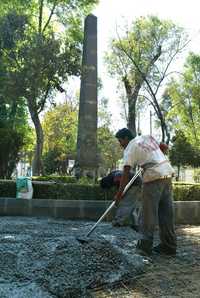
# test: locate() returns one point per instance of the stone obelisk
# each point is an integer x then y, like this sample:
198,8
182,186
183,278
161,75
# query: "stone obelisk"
86,160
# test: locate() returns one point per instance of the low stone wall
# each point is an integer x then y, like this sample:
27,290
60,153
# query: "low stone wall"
185,212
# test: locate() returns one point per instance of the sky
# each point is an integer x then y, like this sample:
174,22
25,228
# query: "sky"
111,13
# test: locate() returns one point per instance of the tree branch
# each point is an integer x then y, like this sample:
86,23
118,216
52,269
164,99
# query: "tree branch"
43,101
40,15
50,16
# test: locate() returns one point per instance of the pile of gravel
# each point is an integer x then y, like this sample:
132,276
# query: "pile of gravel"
41,257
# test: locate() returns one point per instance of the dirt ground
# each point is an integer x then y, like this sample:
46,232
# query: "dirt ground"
41,258
166,277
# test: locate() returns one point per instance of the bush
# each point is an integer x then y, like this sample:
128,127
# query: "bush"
86,181
7,188
62,191
68,192
74,191
186,192
196,175
11,141
52,178
64,179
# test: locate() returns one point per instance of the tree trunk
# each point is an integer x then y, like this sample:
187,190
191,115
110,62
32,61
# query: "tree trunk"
162,123
164,128
178,176
37,160
132,100
132,117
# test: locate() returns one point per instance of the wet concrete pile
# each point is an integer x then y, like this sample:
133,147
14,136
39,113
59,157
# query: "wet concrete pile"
41,257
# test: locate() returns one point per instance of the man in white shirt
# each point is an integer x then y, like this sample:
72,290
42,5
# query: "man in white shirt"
157,205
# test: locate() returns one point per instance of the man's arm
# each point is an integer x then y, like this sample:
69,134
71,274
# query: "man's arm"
123,182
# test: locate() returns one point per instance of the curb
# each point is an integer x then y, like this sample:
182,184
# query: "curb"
186,212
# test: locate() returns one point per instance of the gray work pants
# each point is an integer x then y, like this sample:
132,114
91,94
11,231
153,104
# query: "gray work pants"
157,208
129,208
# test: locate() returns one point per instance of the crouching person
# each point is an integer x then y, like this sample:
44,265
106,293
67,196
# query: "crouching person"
128,211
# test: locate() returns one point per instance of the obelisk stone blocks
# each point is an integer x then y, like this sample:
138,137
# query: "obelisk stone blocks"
86,161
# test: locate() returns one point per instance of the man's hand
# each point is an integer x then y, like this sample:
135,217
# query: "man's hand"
118,197
123,182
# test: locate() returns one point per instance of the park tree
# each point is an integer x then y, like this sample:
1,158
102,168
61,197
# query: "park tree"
13,134
60,130
140,59
182,153
45,54
108,148
14,127
184,94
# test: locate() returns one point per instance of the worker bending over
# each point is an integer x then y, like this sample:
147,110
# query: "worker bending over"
157,205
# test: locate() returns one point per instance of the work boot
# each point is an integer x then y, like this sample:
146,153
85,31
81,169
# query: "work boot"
164,250
144,247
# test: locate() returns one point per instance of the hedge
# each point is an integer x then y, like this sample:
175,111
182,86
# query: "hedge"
48,190
62,191
7,188
186,192
62,179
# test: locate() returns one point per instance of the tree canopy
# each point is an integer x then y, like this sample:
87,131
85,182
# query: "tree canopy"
60,130
42,49
184,94
182,153
140,58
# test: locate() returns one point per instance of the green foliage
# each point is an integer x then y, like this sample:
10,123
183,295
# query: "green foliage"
60,129
73,191
64,179
140,57
186,192
14,127
104,117
108,147
51,162
29,145
182,152
68,192
197,175
40,44
13,130
11,141
7,189
55,178
184,94
85,181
